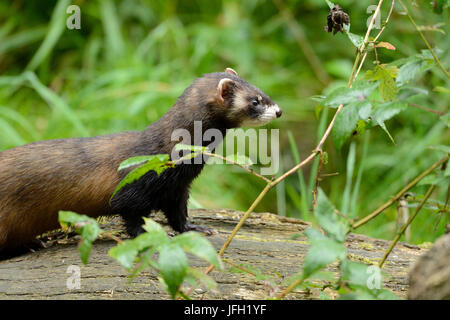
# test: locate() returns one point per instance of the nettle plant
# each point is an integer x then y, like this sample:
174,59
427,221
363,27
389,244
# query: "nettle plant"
379,95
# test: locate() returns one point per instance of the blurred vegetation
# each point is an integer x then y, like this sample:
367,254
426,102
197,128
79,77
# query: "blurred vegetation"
131,59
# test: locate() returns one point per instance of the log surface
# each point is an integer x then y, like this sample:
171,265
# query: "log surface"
265,242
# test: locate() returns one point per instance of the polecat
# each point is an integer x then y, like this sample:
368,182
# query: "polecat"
39,179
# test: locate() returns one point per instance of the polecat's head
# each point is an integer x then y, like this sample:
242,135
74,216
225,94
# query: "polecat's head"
242,103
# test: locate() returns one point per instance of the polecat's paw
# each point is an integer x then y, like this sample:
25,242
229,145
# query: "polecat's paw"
199,228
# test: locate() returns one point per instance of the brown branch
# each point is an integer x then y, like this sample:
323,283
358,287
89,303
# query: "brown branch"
402,230
439,113
386,205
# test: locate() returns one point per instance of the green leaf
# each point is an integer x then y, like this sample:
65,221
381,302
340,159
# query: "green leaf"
347,119
314,234
343,95
157,163
173,265
195,243
320,254
125,253
386,111
155,229
354,273
140,159
86,226
325,214
356,39
386,75
412,69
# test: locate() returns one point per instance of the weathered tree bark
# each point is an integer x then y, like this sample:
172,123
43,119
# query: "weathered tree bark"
430,276
266,242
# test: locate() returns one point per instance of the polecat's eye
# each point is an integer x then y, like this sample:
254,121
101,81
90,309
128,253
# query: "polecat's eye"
255,102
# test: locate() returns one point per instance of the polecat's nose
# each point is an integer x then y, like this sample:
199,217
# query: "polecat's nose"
278,113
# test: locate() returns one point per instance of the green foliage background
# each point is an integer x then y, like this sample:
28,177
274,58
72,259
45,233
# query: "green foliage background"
132,59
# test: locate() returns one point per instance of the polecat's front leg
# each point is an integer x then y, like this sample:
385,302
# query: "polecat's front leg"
177,214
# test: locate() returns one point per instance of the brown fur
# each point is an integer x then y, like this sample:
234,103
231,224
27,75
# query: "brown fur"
41,178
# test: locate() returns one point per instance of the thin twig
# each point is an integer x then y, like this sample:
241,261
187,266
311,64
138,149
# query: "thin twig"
402,230
289,288
425,40
439,113
238,267
237,164
317,180
386,205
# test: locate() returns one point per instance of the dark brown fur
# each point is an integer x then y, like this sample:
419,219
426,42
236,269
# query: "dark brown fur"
39,179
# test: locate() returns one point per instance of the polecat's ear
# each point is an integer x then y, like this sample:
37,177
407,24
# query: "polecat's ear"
225,89
229,70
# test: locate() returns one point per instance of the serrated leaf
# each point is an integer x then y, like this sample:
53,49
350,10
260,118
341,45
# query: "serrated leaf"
196,244
86,226
125,253
406,92
343,95
412,69
325,214
386,111
386,75
173,265
320,254
388,89
356,39
347,119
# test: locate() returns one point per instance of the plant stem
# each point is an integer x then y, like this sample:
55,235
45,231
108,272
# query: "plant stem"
386,205
289,289
402,230
425,40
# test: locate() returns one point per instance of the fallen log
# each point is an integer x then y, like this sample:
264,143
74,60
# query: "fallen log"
275,245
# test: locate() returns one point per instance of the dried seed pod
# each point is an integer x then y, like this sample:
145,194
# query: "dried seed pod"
336,20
